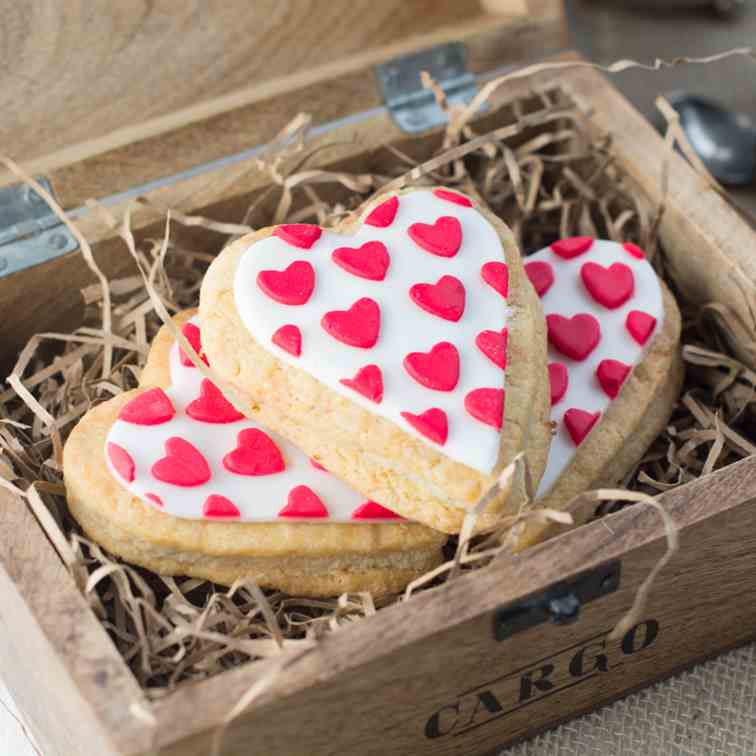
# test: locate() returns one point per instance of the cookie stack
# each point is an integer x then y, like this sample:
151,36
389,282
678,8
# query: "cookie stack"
384,373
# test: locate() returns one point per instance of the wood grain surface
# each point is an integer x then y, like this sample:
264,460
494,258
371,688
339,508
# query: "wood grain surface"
67,677
372,688
203,134
81,78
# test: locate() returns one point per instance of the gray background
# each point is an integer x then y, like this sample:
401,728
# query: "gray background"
607,30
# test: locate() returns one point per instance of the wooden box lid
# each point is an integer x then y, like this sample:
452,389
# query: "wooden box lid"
80,82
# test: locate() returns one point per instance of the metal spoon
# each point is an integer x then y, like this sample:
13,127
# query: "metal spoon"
725,141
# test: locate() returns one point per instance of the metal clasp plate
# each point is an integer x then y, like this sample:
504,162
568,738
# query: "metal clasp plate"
29,231
560,603
413,108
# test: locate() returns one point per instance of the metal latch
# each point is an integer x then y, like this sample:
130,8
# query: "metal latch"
30,233
413,108
560,603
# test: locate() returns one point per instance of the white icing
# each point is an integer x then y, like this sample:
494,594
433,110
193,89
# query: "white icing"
405,327
258,498
568,297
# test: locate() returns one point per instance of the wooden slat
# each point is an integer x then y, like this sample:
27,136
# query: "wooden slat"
213,130
66,675
79,80
372,688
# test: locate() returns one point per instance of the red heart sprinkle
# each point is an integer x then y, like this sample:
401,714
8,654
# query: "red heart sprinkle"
572,247
256,453
634,250
457,199
443,238
371,510
640,325
574,337
579,423
219,506
368,381
151,407
122,462
432,424
437,369
611,286
541,275
445,298
496,275
486,405
302,235
358,326
212,406
370,261
559,379
192,335
317,465
288,338
292,286
494,345
183,465
383,215
611,375
303,502
155,499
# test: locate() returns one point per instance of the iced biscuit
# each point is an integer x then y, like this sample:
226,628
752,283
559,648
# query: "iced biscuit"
404,349
614,362
171,477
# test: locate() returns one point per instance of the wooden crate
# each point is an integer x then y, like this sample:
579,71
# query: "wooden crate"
460,669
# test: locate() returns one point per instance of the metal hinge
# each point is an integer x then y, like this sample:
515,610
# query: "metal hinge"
30,233
560,603
414,108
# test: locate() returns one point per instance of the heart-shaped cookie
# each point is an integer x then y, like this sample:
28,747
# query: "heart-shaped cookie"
222,497
614,360
207,448
400,348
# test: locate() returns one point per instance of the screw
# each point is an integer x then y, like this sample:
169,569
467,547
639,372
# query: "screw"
565,609
58,241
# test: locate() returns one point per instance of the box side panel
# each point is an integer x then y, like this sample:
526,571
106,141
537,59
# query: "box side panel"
67,678
59,718
457,689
